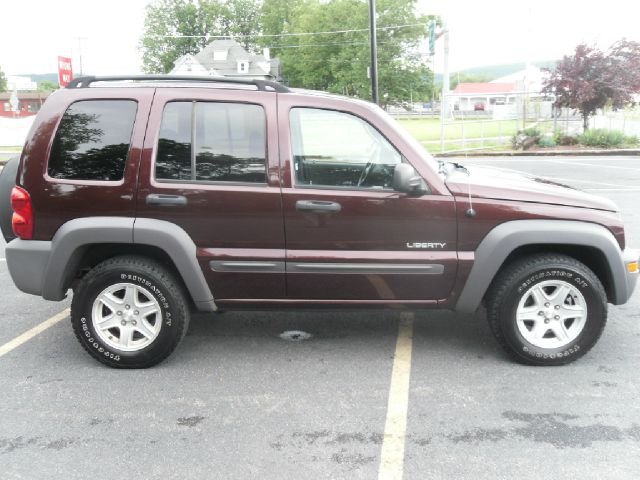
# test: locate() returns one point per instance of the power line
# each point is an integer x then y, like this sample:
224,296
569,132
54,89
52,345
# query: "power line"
318,45
264,35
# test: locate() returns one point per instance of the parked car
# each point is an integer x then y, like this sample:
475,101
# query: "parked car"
478,107
154,197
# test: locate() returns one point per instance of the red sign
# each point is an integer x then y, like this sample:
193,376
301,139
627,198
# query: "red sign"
65,72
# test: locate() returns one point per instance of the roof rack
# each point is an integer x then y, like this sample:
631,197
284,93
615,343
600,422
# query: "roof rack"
262,85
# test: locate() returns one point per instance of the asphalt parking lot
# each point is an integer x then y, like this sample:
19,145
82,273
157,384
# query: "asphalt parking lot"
236,401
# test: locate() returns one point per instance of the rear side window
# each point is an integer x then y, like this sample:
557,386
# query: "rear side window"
212,142
93,140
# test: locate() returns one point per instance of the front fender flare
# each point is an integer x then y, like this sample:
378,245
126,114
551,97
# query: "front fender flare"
505,238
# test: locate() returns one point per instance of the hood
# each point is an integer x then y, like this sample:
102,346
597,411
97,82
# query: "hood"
503,184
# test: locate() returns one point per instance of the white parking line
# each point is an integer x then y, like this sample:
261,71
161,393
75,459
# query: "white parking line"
29,334
602,165
392,455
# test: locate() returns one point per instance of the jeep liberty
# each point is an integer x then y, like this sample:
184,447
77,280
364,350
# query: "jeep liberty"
151,197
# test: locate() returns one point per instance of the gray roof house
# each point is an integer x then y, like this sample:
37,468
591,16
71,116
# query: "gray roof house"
227,58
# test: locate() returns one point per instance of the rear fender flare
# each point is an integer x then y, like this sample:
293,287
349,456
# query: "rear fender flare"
74,237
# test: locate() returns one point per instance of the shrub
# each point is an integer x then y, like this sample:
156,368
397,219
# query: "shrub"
531,132
547,142
599,137
567,140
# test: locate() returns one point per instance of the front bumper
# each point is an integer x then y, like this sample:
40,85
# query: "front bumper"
629,257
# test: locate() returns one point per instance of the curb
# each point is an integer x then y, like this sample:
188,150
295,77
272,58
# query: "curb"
542,153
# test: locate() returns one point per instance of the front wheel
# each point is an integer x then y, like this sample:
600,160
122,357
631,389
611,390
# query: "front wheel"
547,309
129,312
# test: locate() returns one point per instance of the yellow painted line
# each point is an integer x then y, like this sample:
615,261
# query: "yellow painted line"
29,334
392,455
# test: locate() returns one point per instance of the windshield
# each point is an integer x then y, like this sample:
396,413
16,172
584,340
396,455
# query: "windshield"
410,139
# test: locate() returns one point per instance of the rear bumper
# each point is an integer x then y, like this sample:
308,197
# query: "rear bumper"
630,256
27,262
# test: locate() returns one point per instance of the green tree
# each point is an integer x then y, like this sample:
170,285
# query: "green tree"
3,82
47,86
174,28
338,62
457,79
295,31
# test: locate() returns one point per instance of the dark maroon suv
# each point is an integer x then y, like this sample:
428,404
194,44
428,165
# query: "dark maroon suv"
153,197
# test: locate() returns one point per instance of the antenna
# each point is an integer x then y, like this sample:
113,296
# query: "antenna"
470,211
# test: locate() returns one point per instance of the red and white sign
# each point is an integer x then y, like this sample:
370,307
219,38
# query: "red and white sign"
65,72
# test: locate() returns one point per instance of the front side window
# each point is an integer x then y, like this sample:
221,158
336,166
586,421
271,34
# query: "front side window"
93,140
336,149
212,142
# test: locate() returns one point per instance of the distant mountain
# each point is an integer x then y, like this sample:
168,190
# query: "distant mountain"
496,71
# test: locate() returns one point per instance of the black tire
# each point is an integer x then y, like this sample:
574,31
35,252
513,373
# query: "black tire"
7,182
513,283
143,273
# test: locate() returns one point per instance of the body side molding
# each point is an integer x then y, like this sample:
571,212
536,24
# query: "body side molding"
505,238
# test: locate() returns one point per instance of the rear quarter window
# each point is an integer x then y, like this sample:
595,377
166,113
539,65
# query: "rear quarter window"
93,140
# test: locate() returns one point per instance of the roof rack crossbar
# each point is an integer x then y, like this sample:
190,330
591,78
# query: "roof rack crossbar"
262,85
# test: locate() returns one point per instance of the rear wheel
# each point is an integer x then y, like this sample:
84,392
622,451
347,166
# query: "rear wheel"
129,312
547,309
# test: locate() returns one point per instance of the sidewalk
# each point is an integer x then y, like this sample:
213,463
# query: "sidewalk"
542,153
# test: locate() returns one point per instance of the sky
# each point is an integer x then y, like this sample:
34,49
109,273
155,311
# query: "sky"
481,32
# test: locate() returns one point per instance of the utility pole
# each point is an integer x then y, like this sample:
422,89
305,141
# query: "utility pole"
444,108
80,39
374,51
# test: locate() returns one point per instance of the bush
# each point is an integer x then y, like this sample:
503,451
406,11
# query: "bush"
526,138
547,142
599,137
531,132
567,140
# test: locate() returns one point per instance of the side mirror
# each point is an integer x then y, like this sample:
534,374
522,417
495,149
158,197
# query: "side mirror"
407,180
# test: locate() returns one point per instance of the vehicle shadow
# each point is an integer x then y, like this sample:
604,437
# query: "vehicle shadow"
438,331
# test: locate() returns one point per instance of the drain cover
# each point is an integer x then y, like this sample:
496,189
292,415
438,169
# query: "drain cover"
295,336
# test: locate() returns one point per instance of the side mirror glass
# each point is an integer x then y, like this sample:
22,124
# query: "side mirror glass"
407,180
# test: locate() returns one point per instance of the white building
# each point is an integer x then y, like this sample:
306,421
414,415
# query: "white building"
21,84
227,58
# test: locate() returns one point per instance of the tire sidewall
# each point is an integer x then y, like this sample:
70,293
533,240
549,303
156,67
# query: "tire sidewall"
170,332
596,315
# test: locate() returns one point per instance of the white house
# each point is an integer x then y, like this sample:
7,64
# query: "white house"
507,90
227,58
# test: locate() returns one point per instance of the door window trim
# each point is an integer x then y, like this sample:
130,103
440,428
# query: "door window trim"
190,182
97,183
294,180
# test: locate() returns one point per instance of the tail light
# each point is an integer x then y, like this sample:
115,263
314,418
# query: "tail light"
22,220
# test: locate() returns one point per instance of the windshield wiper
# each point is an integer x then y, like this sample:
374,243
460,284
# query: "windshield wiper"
442,167
459,166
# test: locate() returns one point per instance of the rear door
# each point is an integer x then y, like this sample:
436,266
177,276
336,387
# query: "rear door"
210,166
349,235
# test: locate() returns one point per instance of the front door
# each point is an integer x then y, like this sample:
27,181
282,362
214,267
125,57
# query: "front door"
210,166
349,235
